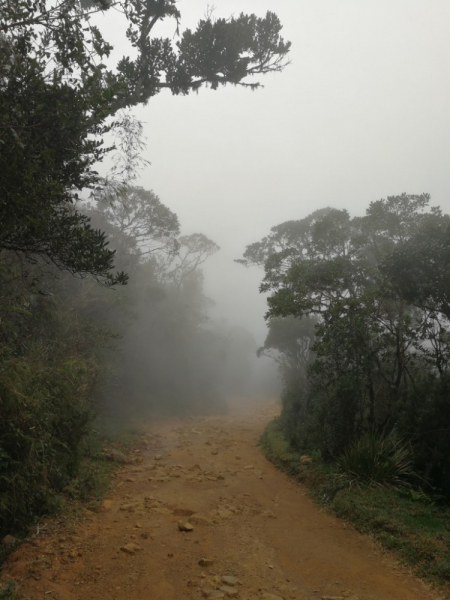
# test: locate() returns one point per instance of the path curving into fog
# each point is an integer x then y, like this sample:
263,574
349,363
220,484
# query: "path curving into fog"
249,519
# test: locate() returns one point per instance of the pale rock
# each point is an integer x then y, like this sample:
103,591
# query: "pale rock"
224,513
107,504
162,510
185,526
206,562
131,548
230,580
230,591
247,467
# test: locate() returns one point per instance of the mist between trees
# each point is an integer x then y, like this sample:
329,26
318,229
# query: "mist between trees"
359,323
102,308
72,349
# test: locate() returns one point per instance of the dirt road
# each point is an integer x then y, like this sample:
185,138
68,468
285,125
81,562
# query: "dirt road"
249,522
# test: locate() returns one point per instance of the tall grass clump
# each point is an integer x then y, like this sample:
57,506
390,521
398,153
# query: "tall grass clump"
378,459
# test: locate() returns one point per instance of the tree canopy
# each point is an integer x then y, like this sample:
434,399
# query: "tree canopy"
377,288
60,97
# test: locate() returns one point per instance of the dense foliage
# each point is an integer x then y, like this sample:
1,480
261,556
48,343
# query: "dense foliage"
71,349
60,96
377,287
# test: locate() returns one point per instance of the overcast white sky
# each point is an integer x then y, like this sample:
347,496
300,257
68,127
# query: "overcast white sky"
362,112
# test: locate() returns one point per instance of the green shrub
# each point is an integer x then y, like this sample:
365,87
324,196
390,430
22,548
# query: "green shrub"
378,459
45,412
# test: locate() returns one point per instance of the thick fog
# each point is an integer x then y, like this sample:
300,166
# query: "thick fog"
360,113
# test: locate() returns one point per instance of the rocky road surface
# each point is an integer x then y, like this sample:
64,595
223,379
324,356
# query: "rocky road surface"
204,515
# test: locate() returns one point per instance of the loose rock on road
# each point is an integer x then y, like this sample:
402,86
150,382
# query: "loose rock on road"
206,516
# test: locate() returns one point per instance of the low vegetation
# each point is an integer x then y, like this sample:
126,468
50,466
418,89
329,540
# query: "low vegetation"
45,485
402,519
378,459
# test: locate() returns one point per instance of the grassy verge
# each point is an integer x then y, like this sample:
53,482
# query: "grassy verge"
94,477
95,472
406,522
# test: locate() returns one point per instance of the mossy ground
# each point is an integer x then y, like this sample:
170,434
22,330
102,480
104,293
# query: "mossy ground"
407,522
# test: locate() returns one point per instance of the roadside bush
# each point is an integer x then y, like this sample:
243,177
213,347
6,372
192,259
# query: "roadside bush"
378,459
316,417
44,415
425,418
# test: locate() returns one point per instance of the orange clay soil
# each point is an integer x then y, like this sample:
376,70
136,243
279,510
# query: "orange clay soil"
249,521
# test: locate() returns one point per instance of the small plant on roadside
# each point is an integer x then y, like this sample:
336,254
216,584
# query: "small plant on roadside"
378,459
8,591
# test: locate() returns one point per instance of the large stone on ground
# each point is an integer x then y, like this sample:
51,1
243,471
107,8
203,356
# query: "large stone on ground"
206,562
230,591
230,580
131,548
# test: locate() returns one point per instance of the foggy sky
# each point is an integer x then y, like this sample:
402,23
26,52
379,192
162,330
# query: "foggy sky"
361,113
